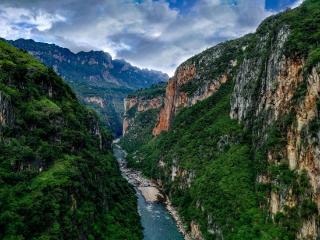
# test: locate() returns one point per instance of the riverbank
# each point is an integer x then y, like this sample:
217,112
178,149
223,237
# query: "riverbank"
174,213
149,190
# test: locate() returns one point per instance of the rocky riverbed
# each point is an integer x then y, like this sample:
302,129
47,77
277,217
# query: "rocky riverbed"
152,196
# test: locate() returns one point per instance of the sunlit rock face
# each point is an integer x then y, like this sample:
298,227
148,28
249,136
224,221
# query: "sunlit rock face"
197,79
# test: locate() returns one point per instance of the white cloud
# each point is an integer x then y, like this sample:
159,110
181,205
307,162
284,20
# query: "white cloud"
148,34
21,22
296,4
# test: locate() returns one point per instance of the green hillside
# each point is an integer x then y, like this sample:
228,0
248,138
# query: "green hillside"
58,178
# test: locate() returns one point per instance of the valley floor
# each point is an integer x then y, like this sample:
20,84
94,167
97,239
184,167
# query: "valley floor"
151,194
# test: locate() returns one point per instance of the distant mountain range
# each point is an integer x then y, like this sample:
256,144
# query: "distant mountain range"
99,81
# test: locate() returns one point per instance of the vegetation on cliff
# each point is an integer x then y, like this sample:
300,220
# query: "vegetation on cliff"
140,124
58,178
153,91
231,177
213,153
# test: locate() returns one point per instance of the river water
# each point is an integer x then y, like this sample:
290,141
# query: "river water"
156,221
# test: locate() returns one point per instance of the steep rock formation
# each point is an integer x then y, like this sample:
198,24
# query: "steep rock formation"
271,98
141,113
96,100
140,105
271,81
197,79
6,115
258,90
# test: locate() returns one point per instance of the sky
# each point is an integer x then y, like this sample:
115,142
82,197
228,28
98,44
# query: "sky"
154,34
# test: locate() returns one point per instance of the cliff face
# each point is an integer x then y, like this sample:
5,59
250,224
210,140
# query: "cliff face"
139,105
198,79
268,83
262,101
6,115
142,110
301,151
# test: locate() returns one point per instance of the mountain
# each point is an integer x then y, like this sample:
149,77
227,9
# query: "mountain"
236,143
58,178
100,81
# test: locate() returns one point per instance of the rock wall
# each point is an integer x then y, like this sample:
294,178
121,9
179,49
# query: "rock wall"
138,105
265,91
96,100
6,114
195,81
266,86
270,87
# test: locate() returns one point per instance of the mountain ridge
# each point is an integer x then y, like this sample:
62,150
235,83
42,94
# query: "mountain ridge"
99,81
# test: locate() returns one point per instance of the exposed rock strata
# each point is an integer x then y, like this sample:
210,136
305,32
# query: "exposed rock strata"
272,100
176,98
141,105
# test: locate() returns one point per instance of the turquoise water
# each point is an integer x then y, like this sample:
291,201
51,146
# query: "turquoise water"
156,221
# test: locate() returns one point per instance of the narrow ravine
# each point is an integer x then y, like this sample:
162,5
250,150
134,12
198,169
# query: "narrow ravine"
157,222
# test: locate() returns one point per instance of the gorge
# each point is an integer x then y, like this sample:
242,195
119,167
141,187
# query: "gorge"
227,149
155,217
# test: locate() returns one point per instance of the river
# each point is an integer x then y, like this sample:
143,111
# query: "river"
156,221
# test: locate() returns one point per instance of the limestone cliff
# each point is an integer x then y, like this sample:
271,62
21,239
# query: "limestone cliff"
266,92
269,83
198,78
95,100
141,113
140,105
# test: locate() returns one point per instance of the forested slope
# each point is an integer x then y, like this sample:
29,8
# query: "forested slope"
58,178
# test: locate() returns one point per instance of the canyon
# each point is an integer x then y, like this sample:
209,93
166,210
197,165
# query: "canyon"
227,148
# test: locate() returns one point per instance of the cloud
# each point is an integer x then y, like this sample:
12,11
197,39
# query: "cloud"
296,4
147,33
21,22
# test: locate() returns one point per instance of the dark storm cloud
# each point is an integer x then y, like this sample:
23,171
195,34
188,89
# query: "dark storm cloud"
154,34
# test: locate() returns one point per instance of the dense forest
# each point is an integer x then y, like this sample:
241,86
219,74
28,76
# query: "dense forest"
58,178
